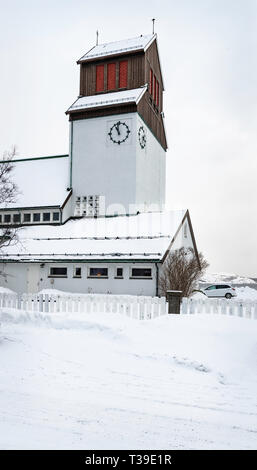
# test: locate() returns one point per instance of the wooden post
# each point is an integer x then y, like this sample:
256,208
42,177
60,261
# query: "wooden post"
174,300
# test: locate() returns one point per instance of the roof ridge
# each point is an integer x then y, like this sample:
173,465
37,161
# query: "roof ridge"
34,158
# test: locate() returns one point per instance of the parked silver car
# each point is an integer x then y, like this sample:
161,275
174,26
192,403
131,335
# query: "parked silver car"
220,290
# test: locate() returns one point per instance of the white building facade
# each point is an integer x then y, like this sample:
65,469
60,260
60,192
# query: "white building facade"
94,220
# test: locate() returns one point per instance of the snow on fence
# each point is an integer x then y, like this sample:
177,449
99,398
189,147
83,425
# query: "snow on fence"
246,309
138,307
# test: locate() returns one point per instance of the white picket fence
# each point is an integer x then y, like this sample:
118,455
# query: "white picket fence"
246,309
138,307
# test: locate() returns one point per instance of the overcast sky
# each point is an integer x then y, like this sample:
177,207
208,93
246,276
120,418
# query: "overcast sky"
208,56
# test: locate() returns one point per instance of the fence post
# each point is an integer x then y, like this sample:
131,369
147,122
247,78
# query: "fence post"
174,300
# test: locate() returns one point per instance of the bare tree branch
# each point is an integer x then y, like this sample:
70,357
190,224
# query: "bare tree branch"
8,195
181,271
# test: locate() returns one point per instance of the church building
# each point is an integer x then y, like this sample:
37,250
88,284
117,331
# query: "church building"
94,220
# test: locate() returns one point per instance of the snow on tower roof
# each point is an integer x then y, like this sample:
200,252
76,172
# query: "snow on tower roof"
108,99
41,181
118,47
145,236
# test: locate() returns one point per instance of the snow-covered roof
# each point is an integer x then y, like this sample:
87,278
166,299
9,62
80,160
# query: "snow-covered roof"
119,47
41,181
145,236
108,99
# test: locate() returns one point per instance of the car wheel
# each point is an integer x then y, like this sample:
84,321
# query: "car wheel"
228,296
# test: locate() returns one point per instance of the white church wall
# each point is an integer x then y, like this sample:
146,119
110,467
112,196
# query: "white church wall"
67,211
100,166
33,277
20,277
150,170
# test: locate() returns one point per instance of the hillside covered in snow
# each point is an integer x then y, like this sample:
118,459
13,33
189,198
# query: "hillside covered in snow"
216,278
108,382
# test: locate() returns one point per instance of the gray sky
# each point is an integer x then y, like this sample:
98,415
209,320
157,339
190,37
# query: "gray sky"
208,55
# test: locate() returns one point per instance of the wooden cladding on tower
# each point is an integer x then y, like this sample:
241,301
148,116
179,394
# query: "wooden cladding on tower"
99,78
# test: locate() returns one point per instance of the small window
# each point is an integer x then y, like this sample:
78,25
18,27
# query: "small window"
185,230
7,218
16,218
56,216
77,272
157,93
46,216
151,82
154,89
141,273
36,217
0,218
98,272
58,272
119,272
26,217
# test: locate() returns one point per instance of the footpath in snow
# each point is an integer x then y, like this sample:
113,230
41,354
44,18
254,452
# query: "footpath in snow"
97,381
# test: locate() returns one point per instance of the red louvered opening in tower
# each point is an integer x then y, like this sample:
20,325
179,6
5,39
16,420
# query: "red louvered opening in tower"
111,76
99,78
154,89
151,82
123,76
157,93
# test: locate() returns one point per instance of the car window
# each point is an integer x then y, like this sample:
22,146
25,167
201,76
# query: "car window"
211,288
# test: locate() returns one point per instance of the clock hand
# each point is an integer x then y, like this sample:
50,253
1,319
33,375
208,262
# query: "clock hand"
118,127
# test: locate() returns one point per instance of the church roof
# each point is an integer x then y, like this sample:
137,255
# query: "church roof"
108,99
146,236
140,43
41,181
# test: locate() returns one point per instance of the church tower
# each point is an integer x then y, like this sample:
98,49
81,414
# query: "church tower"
117,136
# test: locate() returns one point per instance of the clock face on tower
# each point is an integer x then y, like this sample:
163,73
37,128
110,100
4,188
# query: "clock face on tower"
119,132
142,137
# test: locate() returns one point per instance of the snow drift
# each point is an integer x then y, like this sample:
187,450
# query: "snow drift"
105,381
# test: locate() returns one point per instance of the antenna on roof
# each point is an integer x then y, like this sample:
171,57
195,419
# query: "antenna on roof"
97,35
153,20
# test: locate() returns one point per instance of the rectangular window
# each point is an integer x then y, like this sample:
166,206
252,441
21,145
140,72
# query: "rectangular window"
99,78
111,76
46,216
98,272
77,272
26,217
36,217
157,93
119,272
154,89
56,216
0,218
141,273
7,218
151,82
58,272
16,218
123,74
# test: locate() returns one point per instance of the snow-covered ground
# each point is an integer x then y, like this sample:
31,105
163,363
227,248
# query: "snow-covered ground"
104,381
